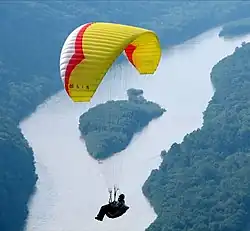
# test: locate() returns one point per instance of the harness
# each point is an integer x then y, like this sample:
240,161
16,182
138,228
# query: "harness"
118,209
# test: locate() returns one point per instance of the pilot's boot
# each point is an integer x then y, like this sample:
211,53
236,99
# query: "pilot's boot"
98,218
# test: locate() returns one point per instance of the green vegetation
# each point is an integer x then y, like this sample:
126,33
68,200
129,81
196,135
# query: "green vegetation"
17,172
203,184
239,27
108,128
32,34
17,176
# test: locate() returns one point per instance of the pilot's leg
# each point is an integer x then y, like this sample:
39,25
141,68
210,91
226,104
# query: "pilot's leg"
102,212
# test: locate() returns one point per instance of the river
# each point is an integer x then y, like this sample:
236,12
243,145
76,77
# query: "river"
71,187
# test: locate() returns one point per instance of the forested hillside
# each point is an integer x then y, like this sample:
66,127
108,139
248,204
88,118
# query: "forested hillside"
203,184
109,127
32,34
236,28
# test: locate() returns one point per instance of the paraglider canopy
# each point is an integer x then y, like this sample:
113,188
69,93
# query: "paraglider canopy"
90,50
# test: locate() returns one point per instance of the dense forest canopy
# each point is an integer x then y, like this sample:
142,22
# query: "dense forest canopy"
109,127
239,27
203,184
32,34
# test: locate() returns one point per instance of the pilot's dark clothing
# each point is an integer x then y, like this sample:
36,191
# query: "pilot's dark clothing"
113,210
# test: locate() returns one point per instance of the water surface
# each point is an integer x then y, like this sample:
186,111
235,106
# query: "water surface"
72,186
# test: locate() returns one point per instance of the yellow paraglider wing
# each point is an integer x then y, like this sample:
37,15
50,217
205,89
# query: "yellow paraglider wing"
90,50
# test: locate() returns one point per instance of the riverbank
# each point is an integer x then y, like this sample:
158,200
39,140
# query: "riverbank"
205,179
236,28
